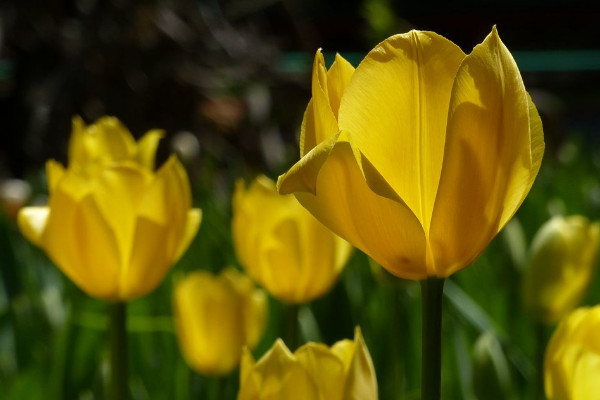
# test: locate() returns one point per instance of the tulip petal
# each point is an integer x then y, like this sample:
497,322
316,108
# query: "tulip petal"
338,77
395,109
54,173
119,191
488,164
361,381
326,370
329,183
107,139
146,148
278,375
319,121
81,243
586,385
246,365
32,222
192,224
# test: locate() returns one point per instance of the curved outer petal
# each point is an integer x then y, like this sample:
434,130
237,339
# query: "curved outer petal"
81,243
54,173
209,316
330,184
572,359
320,117
277,375
493,150
32,222
282,246
395,109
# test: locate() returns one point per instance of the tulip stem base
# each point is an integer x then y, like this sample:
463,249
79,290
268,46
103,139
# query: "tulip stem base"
431,332
118,351
292,328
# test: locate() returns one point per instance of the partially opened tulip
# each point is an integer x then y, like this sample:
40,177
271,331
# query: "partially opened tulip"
113,225
215,317
561,267
282,246
422,154
572,360
342,372
418,157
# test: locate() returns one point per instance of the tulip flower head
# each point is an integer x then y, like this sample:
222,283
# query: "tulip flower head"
562,263
216,316
572,360
281,246
422,154
342,372
113,225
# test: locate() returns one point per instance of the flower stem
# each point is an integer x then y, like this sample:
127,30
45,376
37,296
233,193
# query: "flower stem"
292,328
431,333
118,351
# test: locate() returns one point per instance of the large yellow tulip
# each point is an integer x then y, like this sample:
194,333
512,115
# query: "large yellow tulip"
216,316
113,225
422,154
316,372
281,246
572,361
563,260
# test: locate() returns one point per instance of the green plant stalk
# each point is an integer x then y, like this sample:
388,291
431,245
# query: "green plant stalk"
292,328
118,351
431,332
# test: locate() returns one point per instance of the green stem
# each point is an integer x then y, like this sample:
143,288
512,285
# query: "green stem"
431,333
118,351
292,328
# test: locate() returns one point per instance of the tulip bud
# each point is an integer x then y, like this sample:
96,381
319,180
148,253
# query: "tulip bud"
216,316
491,375
281,246
572,360
561,265
341,372
113,225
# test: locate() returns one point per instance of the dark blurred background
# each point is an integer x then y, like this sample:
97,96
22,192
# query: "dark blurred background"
235,74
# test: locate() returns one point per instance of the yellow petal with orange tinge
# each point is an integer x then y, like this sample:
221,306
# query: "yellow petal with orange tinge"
146,148
395,108
488,164
32,222
325,368
336,193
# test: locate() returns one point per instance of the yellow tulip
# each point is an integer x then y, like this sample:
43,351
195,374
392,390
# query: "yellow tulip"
316,372
113,225
281,246
562,263
422,154
215,317
572,360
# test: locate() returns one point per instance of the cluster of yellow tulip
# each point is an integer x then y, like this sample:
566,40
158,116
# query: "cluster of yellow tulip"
418,157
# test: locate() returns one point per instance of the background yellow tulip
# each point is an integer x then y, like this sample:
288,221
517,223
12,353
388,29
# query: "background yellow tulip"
343,372
572,361
422,154
216,316
112,224
561,266
282,246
